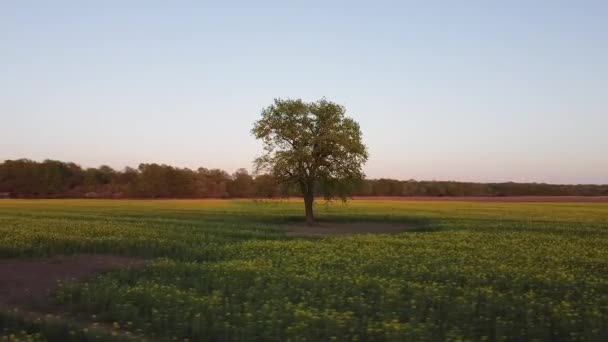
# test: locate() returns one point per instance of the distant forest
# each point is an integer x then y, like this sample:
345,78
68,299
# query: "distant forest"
25,178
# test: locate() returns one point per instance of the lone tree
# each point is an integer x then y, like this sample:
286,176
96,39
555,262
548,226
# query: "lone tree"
313,146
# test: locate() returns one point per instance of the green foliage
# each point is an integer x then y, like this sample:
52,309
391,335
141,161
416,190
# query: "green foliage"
25,326
49,179
313,142
225,271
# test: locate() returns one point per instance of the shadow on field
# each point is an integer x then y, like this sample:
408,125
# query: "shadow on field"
326,229
505,225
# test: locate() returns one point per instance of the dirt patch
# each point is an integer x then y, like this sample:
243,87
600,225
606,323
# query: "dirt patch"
29,282
336,229
508,199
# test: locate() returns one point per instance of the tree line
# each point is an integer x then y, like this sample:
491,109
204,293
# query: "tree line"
25,178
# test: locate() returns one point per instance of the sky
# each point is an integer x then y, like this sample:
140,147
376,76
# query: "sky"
485,91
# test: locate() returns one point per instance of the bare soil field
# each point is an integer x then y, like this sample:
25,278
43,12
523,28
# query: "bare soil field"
536,199
28,283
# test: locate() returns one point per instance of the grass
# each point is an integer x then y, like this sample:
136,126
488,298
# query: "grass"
225,270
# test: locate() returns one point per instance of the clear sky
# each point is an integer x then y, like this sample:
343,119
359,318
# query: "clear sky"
446,90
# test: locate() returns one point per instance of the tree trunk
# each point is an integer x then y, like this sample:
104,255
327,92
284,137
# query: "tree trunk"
308,201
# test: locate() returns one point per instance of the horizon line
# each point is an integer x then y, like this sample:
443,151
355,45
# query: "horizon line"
121,169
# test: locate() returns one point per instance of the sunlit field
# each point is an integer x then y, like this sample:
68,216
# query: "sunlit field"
227,270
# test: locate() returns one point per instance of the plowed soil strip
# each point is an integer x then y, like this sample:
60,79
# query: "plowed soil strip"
29,283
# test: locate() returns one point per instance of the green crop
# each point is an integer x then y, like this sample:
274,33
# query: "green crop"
225,270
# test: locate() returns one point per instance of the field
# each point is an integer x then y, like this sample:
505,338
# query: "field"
229,270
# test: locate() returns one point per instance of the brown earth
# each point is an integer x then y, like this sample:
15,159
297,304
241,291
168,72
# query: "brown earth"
28,283
336,229
539,199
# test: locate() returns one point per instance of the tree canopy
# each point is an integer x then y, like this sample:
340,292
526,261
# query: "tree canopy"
312,145
25,178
